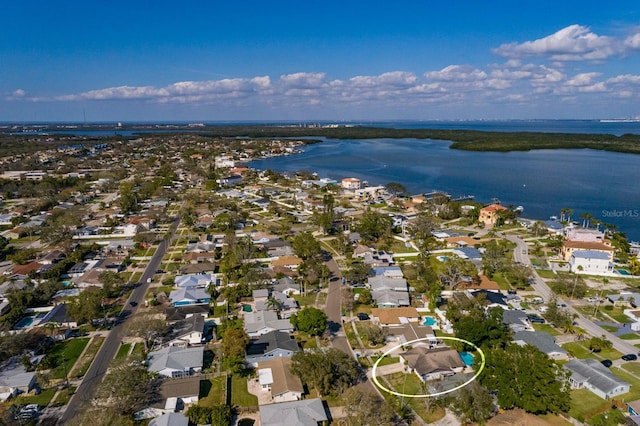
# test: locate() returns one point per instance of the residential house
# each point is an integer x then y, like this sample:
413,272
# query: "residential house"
489,215
177,395
590,262
170,419
515,320
287,286
433,363
592,375
411,331
263,322
543,341
174,361
350,184
307,412
394,316
568,247
389,292
189,296
585,235
181,312
199,257
492,298
185,333
197,280
270,346
388,271
275,376
286,306
14,379
198,268
288,262
625,298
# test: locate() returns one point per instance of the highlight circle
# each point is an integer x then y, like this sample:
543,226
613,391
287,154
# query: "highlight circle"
428,395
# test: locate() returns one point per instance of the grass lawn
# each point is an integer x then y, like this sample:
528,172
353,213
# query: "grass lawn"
307,300
213,391
609,328
547,328
501,280
577,350
87,357
68,352
240,396
64,396
388,360
138,351
632,367
583,402
629,336
545,273
43,399
123,350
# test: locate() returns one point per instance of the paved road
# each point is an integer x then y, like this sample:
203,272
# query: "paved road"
333,309
87,389
521,255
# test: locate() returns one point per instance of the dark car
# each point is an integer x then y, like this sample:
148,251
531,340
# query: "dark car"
133,303
630,357
362,316
535,319
606,362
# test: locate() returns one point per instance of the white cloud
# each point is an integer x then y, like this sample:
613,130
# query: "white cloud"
573,43
456,73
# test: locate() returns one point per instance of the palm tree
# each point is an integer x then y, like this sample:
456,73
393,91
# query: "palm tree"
586,219
274,304
569,213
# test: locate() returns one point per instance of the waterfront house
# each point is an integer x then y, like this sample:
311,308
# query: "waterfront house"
590,262
489,215
568,247
592,375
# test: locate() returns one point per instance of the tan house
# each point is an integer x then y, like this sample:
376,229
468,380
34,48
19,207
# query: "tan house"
275,376
289,262
394,316
433,364
489,214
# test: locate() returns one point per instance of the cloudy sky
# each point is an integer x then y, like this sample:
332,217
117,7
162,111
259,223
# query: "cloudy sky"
318,60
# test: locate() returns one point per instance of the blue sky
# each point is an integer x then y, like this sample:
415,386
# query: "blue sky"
293,60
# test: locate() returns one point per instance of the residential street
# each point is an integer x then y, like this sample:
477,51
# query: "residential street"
87,389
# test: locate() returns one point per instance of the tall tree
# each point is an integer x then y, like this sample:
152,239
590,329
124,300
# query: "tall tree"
366,408
310,320
472,404
373,226
305,246
147,327
330,371
526,378
127,387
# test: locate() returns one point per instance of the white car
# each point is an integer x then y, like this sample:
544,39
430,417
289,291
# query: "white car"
593,299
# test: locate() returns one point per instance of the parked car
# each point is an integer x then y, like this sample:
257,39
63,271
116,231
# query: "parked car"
362,316
593,299
607,362
535,319
629,357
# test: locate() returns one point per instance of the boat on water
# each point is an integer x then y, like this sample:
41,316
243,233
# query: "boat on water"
519,209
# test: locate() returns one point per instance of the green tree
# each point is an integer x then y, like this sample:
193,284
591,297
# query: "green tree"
127,387
395,188
358,272
110,281
454,270
310,320
234,348
526,378
597,344
482,328
330,371
374,334
519,275
86,306
373,226
422,230
305,246
472,404
366,408
217,415
147,327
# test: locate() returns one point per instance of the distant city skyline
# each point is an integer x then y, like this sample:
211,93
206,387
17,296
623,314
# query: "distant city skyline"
286,60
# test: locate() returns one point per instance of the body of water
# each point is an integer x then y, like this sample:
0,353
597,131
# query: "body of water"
543,181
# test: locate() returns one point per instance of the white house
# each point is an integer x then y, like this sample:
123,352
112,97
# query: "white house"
590,262
591,374
174,361
275,376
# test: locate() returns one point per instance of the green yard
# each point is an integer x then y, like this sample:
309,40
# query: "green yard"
43,398
584,402
580,350
388,360
213,391
87,358
240,396
547,328
501,280
632,367
411,385
545,273
64,355
308,299
630,336
123,350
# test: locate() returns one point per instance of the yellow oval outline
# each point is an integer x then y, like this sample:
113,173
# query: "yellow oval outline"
429,395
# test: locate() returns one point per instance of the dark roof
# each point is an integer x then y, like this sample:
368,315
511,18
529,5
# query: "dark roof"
514,317
178,313
271,341
180,328
492,297
57,315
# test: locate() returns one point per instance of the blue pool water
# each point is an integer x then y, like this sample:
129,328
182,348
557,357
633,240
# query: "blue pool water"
623,272
467,358
430,321
24,322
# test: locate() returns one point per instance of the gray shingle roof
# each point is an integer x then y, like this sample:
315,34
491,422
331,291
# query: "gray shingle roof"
308,412
272,341
595,373
541,340
176,358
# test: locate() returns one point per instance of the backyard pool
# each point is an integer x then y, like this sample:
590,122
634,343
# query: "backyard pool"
430,321
467,358
623,272
24,322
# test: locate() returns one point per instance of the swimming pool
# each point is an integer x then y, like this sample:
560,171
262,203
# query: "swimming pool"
24,322
430,321
467,358
623,272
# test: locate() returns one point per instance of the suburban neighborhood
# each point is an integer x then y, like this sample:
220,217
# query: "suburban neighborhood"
159,279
